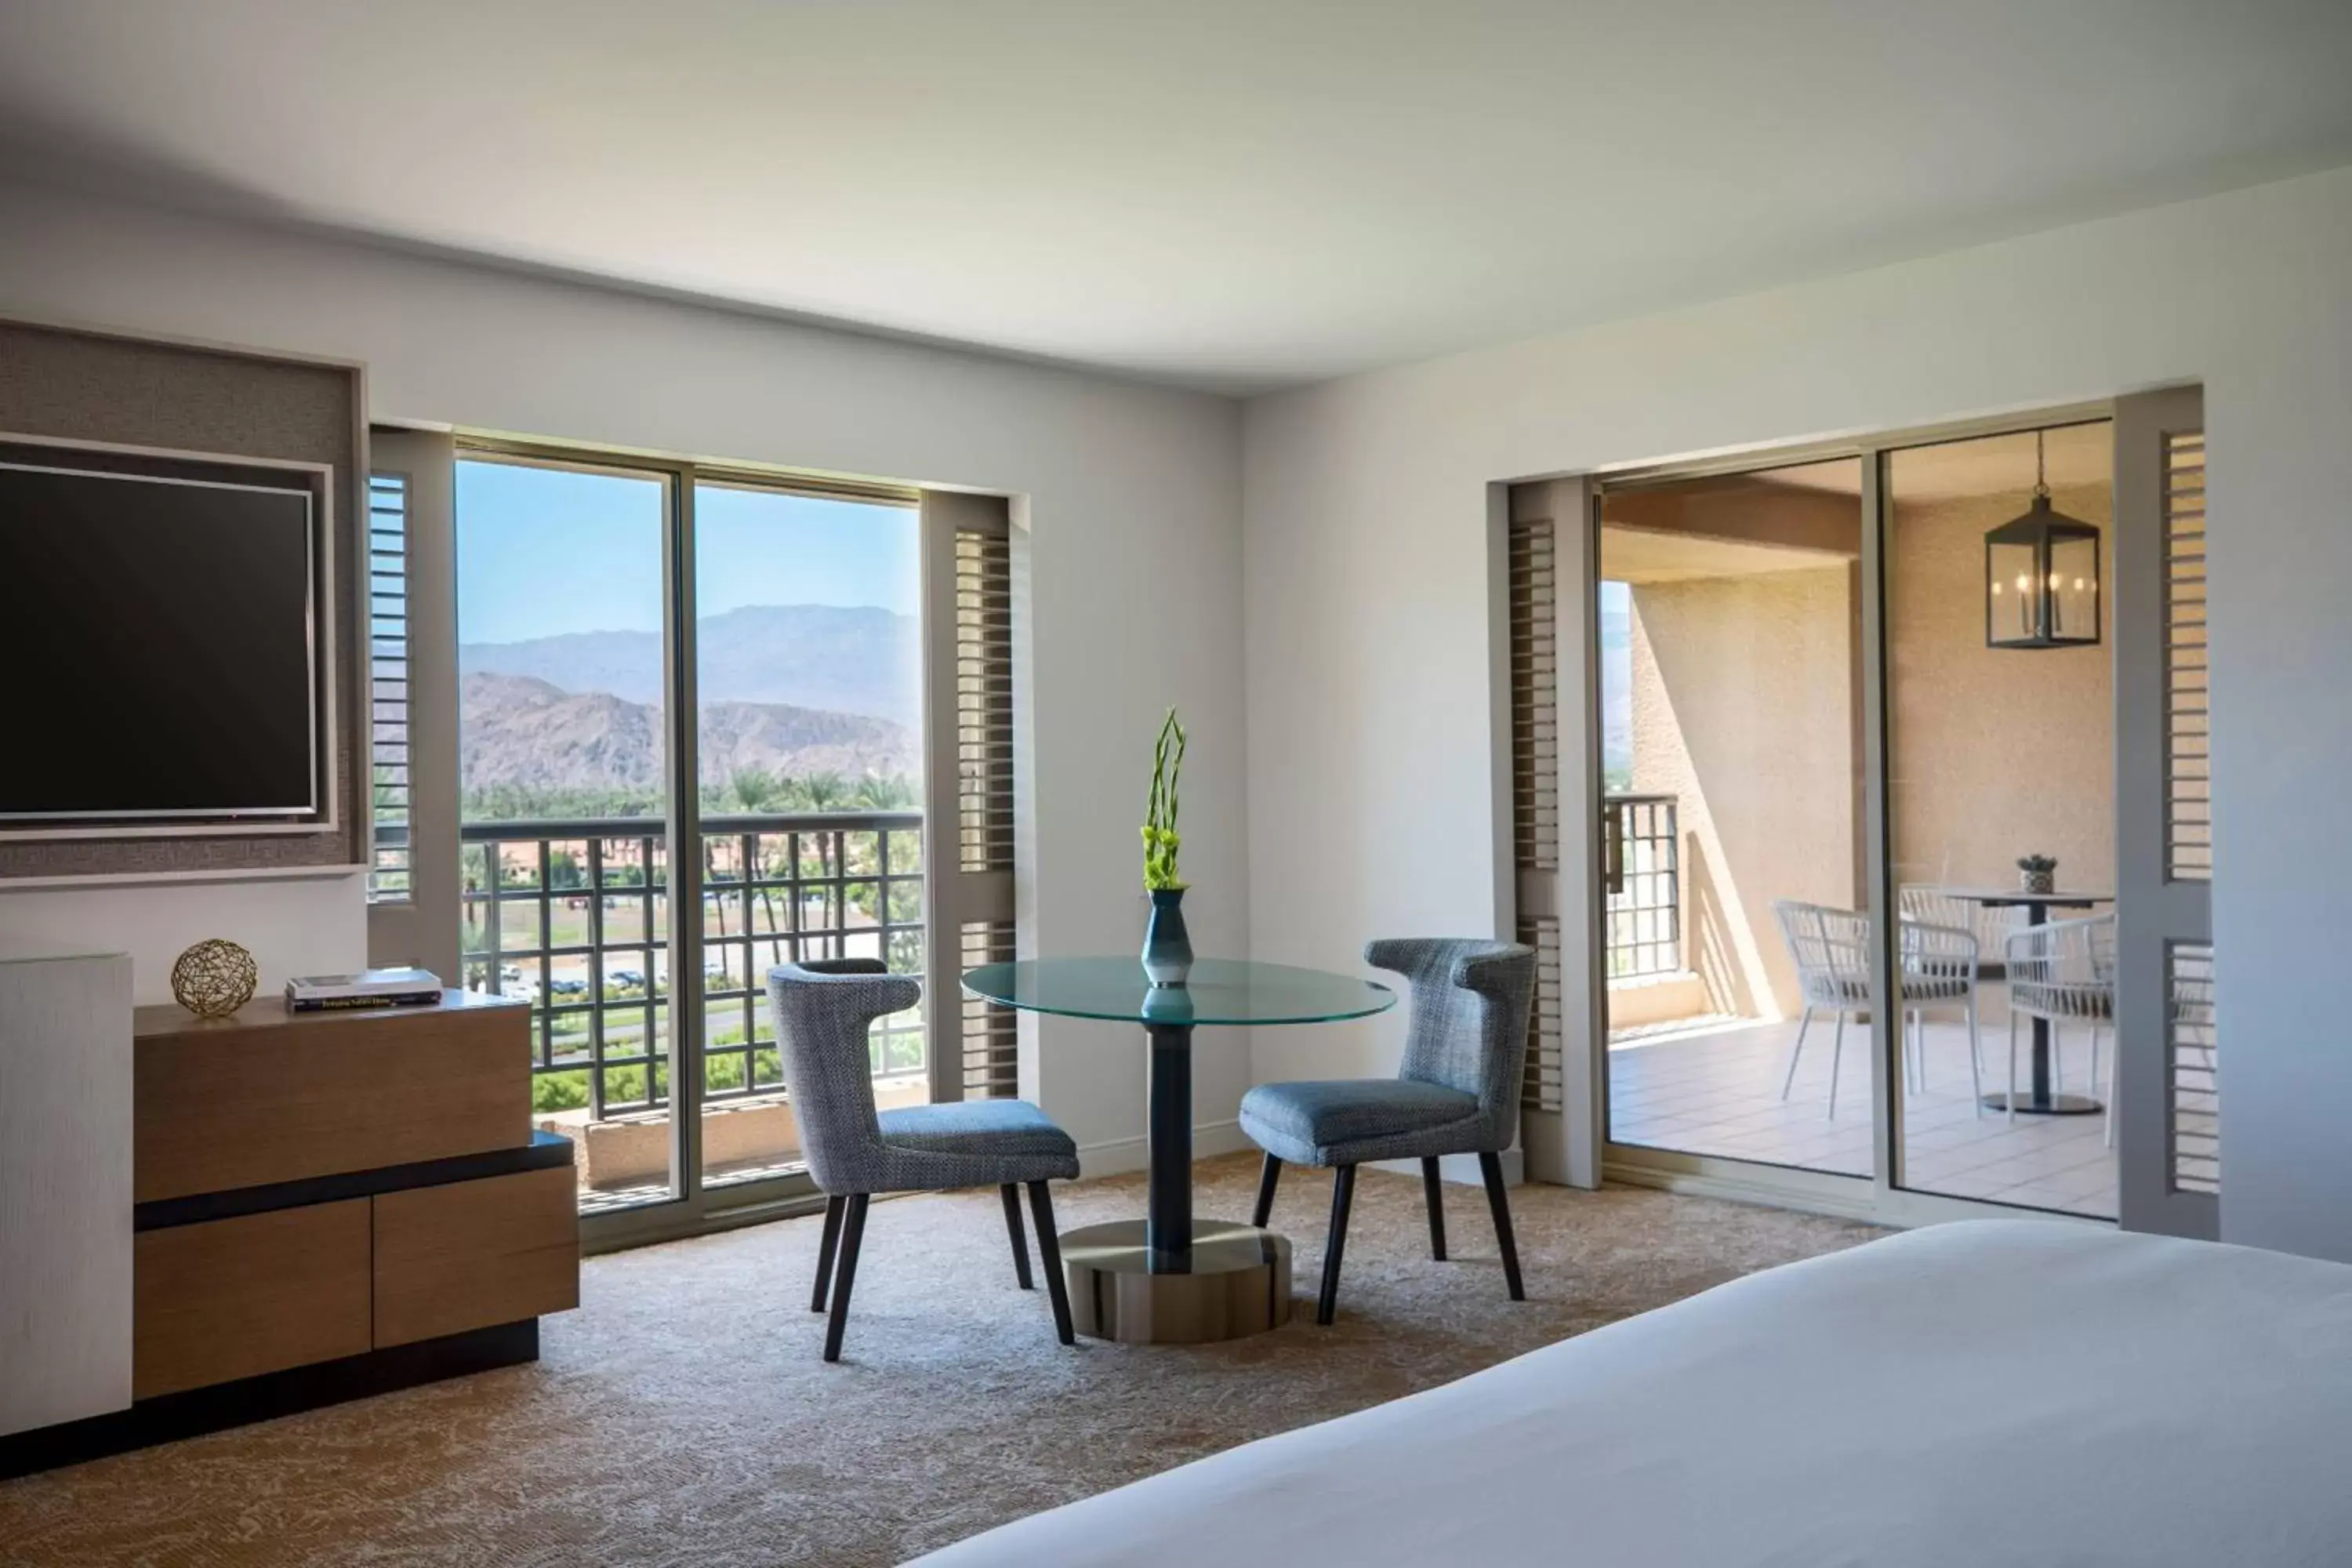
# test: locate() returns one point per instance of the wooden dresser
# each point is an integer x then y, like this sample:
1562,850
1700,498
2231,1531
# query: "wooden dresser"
329,1204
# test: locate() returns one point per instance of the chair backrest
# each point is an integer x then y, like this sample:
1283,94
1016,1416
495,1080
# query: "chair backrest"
1938,957
2065,969
1934,904
1467,1030
824,1010
1830,949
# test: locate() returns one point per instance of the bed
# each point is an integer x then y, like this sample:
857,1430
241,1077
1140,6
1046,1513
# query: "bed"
1985,1391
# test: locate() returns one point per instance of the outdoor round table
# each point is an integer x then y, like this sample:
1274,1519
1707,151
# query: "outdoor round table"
2037,908
1165,1279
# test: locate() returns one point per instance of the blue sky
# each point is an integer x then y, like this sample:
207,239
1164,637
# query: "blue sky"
546,551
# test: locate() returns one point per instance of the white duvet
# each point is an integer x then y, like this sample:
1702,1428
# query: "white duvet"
1983,1392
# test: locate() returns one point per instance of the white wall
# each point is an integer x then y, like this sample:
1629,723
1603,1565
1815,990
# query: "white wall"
296,925
1370,746
1132,492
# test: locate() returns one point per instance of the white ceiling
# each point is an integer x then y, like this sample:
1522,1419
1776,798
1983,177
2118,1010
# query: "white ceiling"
1234,194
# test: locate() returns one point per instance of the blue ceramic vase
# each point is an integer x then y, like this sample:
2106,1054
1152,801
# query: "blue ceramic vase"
1167,946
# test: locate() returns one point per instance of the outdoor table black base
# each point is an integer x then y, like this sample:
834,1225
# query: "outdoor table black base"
2055,1105
1237,1284
2041,1102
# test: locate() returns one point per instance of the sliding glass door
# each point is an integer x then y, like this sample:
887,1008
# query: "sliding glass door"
564,797
809,701
1737,974
2001,744
1894,826
634,877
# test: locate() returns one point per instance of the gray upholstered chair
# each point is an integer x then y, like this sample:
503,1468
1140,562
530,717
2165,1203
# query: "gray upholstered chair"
824,1009
1457,1093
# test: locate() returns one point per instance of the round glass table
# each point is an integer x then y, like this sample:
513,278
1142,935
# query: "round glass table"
1163,1280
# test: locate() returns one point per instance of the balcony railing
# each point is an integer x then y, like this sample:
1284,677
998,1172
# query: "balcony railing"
575,916
1642,865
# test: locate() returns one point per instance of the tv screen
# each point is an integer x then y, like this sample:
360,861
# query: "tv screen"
157,641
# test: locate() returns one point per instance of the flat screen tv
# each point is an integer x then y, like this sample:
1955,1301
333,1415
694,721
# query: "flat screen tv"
158,649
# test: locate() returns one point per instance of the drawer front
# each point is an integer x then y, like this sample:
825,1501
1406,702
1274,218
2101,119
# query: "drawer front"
245,1107
235,1298
472,1254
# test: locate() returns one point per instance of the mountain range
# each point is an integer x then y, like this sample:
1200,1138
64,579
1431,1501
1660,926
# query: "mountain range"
522,730
862,660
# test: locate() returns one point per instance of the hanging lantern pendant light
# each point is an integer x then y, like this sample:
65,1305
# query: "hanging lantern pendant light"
2042,574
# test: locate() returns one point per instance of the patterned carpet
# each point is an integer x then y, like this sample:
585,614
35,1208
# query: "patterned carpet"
682,1415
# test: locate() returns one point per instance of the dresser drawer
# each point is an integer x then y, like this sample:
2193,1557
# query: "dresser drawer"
234,1297
468,1255
266,1098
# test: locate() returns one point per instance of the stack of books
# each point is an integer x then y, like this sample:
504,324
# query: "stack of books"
368,988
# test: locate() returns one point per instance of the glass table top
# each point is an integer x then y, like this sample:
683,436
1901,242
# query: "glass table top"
1221,991
2019,897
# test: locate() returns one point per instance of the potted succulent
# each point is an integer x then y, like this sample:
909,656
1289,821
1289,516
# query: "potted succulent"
2037,873
1167,947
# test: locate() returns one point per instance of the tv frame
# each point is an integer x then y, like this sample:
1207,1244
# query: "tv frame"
317,487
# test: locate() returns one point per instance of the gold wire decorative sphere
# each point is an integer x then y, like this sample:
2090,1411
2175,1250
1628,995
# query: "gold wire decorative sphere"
213,978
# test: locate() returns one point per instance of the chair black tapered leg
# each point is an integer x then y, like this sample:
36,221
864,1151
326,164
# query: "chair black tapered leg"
1434,1192
833,1208
852,1232
1267,1176
1491,1167
1012,1194
1343,1192
1049,1250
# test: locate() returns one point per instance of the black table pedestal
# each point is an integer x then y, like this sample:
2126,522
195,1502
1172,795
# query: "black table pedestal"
1164,1280
1167,1210
2039,1100
1168,1276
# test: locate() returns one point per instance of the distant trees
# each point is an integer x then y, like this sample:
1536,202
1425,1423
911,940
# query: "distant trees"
748,792
895,793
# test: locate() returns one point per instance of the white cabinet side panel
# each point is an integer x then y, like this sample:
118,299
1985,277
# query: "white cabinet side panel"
65,1189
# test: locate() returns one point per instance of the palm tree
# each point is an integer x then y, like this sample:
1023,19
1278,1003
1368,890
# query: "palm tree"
758,793
824,791
875,792
756,790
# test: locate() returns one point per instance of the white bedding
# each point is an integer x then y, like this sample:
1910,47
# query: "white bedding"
1983,1392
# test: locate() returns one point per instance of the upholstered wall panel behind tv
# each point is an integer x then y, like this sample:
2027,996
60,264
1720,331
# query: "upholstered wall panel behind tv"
75,384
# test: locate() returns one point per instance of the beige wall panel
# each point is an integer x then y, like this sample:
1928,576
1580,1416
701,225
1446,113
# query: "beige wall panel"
1997,752
1743,709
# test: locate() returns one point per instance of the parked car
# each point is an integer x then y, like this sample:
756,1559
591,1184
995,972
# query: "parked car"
567,987
630,978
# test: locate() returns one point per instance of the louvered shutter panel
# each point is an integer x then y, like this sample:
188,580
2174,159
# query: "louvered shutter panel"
983,700
1544,599
411,695
1535,784
391,849
969,548
2196,1153
2167,1092
2188,774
